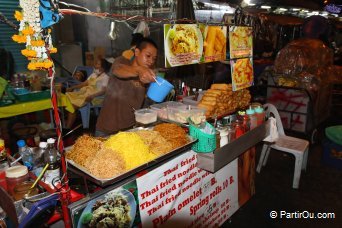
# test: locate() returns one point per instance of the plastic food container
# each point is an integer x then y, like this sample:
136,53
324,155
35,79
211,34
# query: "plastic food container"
181,114
20,190
190,99
161,108
16,175
145,116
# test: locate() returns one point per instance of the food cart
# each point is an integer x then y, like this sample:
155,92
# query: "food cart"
182,186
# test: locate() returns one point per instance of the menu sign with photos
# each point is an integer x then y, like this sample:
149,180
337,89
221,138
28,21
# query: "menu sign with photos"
240,42
242,73
183,44
214,45
194,43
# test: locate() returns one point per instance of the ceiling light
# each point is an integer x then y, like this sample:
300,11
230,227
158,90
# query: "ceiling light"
282,9
295,9
265,7
247,1
251,4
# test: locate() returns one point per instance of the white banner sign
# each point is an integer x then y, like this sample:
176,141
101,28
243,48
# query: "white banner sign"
178,193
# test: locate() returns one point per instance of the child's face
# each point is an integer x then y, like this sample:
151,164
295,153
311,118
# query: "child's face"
78,76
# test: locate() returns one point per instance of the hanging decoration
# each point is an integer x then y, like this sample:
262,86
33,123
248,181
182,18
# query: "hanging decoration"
38,40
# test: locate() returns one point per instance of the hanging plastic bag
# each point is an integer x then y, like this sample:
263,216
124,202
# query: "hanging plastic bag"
49,13
142,28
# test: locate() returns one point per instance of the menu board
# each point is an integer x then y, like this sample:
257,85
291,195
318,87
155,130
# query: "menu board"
240,42
214,45
194,43
183,44
242,73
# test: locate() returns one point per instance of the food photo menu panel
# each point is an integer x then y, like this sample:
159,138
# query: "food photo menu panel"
194,43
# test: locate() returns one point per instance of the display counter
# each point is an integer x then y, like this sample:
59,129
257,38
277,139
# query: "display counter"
176,190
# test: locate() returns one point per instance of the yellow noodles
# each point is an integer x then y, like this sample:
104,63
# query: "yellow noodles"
131,147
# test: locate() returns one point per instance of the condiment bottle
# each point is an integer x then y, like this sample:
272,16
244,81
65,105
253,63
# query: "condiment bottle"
3,167
239,129
16,175
252,117
50,156
223,135
231,132
260,114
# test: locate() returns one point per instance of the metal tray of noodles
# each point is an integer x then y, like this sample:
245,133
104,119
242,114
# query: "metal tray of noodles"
82,171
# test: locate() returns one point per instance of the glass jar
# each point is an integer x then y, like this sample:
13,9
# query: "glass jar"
16,175
20,190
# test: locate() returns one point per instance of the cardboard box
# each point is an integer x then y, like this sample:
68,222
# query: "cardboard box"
99,53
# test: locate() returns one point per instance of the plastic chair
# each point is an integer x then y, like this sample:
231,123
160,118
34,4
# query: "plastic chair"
85,112
298,147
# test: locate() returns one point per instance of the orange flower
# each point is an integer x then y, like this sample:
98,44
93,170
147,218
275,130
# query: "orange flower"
48,64
19,39
53,50
32,66
29,53
27,31
37,43
18,15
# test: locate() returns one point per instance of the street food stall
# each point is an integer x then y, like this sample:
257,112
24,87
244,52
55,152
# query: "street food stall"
192,165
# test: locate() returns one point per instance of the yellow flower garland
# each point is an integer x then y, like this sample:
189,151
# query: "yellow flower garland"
33,38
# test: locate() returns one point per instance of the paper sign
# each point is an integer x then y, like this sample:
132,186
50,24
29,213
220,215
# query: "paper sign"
180,193
214,45
240,42
242,73
183,44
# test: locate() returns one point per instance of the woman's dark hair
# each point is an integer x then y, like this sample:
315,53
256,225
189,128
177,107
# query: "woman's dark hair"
136,38
105,65
143,43
85,75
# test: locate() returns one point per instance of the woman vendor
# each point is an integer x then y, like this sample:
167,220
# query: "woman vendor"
126,89
88,90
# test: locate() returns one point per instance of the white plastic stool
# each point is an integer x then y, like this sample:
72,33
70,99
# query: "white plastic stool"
298,147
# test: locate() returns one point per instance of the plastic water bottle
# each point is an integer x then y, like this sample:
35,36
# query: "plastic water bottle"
39,158
50,156
26,154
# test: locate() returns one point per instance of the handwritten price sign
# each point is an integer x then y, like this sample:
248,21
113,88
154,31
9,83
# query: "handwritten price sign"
179,191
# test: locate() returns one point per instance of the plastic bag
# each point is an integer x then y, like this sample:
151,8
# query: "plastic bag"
309,55
142,28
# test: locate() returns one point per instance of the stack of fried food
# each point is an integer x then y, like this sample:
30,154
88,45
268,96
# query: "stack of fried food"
220,99
106,158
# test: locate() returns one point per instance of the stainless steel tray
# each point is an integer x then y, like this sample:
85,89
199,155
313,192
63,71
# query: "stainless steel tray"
80,170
